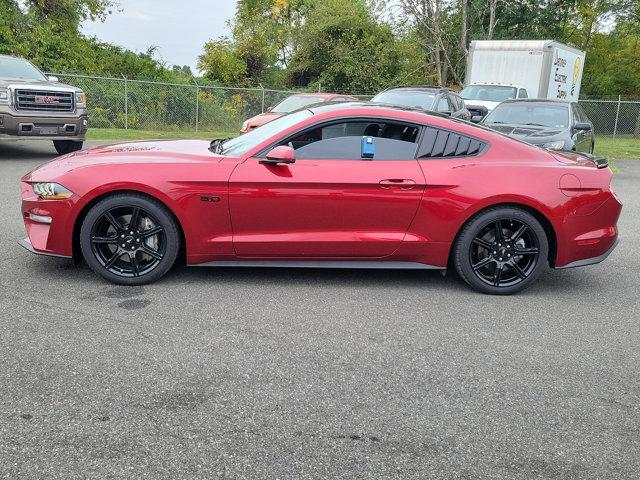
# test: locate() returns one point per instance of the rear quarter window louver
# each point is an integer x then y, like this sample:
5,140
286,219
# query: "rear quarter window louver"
438,143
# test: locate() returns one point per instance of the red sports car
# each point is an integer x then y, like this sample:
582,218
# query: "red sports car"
340,185
290,104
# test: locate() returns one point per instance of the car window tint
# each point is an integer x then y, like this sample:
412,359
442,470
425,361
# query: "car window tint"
522,93
443,104
579,112
342,140
349,148
459,102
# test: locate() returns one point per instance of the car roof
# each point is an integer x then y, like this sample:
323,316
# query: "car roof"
420,88
320,94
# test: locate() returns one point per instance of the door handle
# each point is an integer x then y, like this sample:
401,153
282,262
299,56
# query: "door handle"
402,183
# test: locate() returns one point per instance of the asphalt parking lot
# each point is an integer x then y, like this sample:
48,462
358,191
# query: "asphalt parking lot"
243,373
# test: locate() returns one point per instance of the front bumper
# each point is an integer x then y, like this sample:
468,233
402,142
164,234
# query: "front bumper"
49,224
26,244
44,127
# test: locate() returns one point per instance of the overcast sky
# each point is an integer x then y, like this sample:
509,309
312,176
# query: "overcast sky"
178,28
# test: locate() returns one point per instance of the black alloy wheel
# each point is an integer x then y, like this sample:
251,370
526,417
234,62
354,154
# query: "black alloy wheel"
129,239
501,251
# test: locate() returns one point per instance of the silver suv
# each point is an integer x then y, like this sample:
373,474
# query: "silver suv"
33,105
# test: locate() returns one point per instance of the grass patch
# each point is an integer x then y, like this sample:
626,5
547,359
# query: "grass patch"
117,134
623,147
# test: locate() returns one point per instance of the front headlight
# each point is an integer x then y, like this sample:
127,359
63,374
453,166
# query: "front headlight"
81,99
51,191
557,145
5,96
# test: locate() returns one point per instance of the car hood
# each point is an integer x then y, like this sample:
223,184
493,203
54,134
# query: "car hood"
527,133
263,118
134,153
7,82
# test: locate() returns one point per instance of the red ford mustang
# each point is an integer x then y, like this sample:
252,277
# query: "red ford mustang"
346,185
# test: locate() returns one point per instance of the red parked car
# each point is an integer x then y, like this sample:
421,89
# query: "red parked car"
342,185
290,104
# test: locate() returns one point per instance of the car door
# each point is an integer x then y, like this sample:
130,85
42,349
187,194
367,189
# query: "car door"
332,202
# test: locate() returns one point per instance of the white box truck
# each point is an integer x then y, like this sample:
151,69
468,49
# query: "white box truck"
499,70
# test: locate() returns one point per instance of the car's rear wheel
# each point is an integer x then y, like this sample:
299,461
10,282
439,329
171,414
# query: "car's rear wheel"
502,250
129,239
67,146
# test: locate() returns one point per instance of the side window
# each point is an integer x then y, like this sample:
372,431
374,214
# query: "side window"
457,102
443,104
437,143
522,93
582,117
343,141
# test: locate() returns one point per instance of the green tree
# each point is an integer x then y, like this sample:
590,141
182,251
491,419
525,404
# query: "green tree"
343,48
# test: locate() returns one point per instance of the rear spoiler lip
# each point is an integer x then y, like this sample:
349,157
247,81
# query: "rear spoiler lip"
600,162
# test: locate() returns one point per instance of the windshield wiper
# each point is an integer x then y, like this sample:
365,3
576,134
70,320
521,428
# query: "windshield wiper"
535,124
217,145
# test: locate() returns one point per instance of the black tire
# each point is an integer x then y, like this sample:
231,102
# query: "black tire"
154,240
67,146
510,267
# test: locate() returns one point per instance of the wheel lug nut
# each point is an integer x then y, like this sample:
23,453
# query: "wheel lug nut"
495,253
121,236
500,259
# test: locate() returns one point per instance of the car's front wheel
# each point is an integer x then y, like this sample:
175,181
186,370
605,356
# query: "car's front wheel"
129,239
67,146
501,250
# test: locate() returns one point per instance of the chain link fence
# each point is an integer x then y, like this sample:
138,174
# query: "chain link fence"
123,103
146,105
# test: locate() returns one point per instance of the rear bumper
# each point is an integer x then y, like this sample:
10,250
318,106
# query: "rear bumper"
593,260
589,239
19,127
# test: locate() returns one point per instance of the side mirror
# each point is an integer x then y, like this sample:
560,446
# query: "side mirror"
582,126
269,109
476,118
281,154
53,78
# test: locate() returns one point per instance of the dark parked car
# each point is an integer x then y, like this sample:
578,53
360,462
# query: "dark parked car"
434,99
553,124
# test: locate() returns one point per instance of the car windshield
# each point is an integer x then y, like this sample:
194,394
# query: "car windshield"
18,69
556,116
406,98
491,93
296,102
244,143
